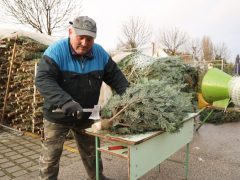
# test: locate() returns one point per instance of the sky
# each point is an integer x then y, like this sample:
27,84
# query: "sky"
218,19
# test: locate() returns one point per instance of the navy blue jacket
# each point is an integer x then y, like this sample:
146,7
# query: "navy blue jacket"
63,76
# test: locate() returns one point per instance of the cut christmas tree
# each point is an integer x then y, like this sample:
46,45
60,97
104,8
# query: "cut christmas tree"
158,98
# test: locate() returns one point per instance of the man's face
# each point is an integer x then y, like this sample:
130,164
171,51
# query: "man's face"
81,44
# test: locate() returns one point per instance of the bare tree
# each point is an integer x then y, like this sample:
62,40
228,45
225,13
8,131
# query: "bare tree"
172,40
194,47
135,33
207,48
46,16
221,51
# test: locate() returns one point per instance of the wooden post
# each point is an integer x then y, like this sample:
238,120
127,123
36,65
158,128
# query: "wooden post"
8,82
34,98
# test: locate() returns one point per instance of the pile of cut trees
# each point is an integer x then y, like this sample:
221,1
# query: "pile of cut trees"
20,103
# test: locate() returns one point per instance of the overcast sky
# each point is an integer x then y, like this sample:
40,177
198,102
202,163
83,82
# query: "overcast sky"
219,19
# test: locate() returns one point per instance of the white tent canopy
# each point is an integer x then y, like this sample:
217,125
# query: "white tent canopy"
41,38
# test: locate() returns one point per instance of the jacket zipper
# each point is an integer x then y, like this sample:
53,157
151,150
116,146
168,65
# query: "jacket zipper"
82,63
82,66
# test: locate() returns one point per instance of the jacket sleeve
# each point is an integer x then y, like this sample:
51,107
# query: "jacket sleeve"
114,77
47,83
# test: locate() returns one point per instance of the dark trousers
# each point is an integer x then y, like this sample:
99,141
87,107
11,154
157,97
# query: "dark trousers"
52,147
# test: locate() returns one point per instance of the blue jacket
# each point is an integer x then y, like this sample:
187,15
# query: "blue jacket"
62,77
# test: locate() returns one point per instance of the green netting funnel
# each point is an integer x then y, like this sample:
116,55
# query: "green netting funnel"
215,85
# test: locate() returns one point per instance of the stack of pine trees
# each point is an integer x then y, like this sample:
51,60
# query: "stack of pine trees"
160,96
20,102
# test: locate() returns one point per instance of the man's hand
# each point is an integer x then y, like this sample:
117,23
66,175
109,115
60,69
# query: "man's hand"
72,108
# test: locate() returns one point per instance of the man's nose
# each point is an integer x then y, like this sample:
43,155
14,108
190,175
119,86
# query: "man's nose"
84,42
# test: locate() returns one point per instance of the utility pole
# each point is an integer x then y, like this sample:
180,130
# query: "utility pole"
222,65
194,53
153,48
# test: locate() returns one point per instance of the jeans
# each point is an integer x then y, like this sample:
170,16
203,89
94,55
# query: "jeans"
52,147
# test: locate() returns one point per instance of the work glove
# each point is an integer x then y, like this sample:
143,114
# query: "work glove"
72,108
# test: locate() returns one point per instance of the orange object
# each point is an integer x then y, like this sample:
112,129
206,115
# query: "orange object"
201,101
116,147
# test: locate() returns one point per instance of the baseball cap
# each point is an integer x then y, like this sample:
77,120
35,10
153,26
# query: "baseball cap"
84,25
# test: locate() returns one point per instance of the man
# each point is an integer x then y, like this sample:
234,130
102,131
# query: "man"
69,78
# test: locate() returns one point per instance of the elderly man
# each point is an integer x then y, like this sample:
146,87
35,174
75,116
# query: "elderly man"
69,78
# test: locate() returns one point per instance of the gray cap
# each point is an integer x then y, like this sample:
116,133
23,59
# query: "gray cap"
84,25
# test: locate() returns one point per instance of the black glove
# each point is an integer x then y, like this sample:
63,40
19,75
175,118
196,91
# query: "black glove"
72,108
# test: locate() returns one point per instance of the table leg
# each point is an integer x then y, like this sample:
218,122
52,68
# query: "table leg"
97,157
187,161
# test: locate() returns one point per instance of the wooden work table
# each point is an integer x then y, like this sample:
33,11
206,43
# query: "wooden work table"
144,151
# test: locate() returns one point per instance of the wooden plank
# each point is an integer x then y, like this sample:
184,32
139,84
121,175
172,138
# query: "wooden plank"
126,139
229,109
130,139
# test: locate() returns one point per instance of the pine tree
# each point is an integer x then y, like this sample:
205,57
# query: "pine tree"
151,105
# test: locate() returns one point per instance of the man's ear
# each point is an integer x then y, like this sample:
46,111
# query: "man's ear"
70,31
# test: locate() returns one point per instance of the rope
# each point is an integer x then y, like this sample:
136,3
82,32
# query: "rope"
234,90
